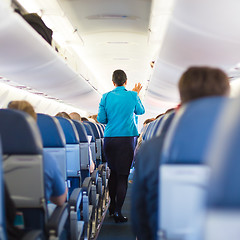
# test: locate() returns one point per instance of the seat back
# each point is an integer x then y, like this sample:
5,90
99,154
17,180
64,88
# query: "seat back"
222,217
165,122
182,193
84,149
72,147
100,129
149,130
2,210
93,140
191,129
145,132
97,136
23,164
53,139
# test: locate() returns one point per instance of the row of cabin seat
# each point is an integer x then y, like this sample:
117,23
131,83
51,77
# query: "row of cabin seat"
24,174
77,193
31,235
98,177
221,220
183,175
78,161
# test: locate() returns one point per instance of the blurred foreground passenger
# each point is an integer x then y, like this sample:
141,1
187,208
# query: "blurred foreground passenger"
55,188
195,83
117,110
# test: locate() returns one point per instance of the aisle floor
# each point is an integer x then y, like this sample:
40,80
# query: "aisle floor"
119,231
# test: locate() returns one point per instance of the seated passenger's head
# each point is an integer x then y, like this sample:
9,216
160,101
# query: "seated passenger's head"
75,116
199,82
23,106
119,78
94,117
84,119
148,121
63,115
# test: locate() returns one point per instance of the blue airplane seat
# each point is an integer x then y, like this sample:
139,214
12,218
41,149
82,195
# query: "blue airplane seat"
23,173
53,139
156,126
51,131
3,235
149,130
165,121
145,131
190,131
183,175
72,153
98,143
100,129
84,149
93,140
222,217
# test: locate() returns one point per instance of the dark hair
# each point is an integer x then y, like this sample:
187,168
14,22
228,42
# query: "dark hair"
199,82
84,119
119,77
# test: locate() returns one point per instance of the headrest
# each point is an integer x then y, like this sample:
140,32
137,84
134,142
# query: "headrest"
69,130
190,131
164,124
81,131
89,131
51,131
19,133
149,130
94,129
100,130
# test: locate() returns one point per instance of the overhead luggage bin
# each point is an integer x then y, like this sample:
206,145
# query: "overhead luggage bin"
27,59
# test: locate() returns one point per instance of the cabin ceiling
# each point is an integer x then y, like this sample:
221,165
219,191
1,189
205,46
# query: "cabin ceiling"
104,35
114,36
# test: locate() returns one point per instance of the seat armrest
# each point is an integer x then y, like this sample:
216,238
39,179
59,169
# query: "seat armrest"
75,199
94,176
86,186
57,220
33,235
101,168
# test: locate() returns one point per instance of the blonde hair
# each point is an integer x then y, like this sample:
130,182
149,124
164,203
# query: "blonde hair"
63,115
24,106
75,116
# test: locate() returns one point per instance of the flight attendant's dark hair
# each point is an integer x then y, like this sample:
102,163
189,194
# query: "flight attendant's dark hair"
119,77
197,82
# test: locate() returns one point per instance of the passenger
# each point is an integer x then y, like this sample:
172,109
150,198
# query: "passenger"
84,119
75,116
55,188
117,109
140,138
63,115
196,82
94,117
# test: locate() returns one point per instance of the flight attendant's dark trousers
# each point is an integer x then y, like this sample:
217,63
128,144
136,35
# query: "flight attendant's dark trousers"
117,190
119,154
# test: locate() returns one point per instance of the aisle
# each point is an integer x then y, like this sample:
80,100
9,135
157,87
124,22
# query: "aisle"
121,231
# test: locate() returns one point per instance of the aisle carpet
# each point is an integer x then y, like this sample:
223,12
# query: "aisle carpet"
121,231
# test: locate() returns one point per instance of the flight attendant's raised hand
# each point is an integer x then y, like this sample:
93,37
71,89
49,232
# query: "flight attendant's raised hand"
137,88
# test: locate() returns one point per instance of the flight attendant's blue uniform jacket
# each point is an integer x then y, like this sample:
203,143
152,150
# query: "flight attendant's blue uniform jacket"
117,109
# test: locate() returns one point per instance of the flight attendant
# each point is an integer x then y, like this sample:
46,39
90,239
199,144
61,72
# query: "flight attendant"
117,110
